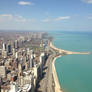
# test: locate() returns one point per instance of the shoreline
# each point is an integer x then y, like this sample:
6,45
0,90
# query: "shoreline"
66,51
56,81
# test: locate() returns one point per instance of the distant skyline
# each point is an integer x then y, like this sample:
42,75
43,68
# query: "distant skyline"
46,15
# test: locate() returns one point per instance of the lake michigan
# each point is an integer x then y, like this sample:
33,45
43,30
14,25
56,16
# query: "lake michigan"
74,71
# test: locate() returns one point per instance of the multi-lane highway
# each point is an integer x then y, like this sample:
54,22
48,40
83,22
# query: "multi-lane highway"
45,84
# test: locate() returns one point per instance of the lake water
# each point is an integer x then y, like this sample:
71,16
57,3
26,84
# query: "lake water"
74,71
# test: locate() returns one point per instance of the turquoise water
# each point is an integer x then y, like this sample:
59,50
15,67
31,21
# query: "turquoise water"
74,71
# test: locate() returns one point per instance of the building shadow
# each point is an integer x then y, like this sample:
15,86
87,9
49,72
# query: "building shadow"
45,68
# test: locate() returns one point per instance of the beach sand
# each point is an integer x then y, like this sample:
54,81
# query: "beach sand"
66,51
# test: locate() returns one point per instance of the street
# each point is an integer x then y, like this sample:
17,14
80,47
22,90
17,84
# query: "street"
45,84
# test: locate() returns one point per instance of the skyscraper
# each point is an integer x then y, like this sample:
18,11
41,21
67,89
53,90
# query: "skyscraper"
20,69
16,44
9,48
42,58
2,71
4,46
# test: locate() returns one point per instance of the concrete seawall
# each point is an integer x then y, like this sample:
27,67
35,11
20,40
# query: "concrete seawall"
57,85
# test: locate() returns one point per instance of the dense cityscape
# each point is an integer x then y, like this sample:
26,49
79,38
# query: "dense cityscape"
22,59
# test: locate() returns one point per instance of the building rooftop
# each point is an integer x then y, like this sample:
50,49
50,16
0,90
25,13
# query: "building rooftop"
27,87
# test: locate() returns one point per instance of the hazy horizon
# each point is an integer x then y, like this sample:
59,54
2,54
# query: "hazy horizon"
13,30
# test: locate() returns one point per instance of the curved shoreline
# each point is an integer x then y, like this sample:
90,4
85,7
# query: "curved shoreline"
66,51
57,84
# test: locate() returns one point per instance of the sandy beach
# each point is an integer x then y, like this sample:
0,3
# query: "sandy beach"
66,51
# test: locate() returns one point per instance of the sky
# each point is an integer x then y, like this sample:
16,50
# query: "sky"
46,15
